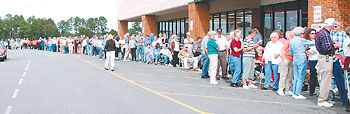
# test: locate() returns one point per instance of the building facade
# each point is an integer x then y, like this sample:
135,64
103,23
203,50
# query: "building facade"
200,16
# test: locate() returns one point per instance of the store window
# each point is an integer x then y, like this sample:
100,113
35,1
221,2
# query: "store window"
216,21
279,17
211,22
292,16
240,21
268,23
247,20
223,19
303,12
231,21
178,26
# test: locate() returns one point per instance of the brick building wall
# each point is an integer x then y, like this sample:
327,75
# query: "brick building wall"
337,9
199,14
149,24
122,28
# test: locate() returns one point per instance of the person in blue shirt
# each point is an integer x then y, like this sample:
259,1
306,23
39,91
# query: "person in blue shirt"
139,47
297,49
156,53
146,41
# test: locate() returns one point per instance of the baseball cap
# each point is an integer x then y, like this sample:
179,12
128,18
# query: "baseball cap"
219,30
329,22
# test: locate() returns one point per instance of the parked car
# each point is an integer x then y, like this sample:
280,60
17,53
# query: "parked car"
3,52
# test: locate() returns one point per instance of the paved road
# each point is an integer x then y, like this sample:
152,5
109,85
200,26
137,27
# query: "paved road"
37,82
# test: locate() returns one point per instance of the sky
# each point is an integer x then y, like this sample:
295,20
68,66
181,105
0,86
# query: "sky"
62,9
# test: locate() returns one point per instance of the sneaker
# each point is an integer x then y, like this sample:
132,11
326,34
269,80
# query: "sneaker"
299,97
252,86
214,83
245,87
281,93
324,104
331,102
100,59
112,70
290,93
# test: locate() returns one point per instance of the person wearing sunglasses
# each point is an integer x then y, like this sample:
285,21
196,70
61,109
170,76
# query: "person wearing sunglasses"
310,34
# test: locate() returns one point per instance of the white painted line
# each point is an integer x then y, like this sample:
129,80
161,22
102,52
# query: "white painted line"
28,65
8,110
26,69
20,81
28,61
24,74
15,93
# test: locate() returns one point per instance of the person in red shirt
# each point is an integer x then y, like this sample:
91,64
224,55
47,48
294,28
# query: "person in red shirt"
235,59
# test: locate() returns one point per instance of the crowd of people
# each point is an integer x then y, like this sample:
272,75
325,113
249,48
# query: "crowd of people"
284,60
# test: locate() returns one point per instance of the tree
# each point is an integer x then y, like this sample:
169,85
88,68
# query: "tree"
135,27
102,25
113,32
85,31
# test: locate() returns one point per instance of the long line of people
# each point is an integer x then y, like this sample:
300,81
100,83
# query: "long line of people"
284,61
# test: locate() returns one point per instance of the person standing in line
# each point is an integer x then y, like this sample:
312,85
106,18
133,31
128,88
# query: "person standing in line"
204,57
338,36
100,47
132,44
297,49
258,37
139,47
110,52
310,34
326,49
272,57
213,51
235,59
286,68
346,47
248,59
175,49
118,47
127,47
223,54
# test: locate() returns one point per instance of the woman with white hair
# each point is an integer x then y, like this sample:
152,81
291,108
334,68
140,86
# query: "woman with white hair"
297,49
212,51
272,57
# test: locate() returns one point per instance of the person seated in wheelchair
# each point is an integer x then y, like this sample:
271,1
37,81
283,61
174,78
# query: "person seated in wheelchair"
187,58
259,62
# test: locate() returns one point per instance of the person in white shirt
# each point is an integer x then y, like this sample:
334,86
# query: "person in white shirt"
272,57
100,47
132,45
223,54
165,54
189,41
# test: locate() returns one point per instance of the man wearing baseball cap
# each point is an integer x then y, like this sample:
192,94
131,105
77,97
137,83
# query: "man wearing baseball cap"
326,49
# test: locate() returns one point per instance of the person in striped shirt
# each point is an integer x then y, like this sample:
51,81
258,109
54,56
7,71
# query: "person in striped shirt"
248,59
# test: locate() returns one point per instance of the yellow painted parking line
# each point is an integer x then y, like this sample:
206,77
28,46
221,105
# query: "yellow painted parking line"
196,85
165,76
248,100
143,87
207,86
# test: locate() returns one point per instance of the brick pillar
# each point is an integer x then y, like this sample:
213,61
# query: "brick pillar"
149,24
198,13
122,28
337,9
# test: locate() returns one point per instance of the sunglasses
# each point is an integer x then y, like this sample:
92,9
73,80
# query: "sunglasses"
313,33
